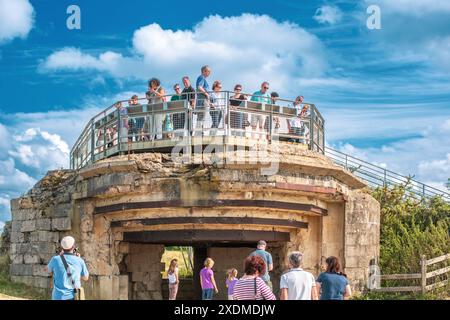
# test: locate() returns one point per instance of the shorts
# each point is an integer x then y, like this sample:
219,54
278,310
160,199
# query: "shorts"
257,118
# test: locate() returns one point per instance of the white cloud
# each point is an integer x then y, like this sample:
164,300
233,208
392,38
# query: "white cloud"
13,179
247,48
414,7
74,59
426,157
16,19
40,150
440,168
328,15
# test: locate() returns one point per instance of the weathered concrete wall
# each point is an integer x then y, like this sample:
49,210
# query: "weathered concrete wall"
64,202
39,220
225,259
145,267
362,236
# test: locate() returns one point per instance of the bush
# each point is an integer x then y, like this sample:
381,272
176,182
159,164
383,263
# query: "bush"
410,228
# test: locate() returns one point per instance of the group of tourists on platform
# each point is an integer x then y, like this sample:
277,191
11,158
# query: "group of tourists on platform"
202,99
255,284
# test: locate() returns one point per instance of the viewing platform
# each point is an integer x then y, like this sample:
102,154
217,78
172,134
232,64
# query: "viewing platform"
190,125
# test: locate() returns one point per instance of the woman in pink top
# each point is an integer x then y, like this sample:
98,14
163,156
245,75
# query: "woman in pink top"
207,281
251,286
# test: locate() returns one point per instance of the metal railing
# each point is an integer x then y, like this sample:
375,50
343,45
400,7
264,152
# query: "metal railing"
163,122
376,176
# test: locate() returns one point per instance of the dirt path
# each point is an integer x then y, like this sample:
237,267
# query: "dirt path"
6,297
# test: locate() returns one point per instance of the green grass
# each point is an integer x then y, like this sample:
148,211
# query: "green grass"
14,289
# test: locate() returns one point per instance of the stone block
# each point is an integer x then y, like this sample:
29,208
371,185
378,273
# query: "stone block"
61,224
16,225
46,257
123,287
28,226
21,248
15,204
31,258
63,198
17,258
21,270
40,270
62,210
47,236
41,282
137,276
28,280
44,224
25,203
17,236
45,247
105,287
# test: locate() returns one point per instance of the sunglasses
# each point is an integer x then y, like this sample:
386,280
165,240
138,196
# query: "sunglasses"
238,89
266,87
177,89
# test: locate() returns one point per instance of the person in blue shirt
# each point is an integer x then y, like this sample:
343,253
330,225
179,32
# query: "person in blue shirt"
203,99
267,257
257,120
333,283
63,288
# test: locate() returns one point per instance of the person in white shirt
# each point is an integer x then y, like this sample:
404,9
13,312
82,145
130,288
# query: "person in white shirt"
297,284
172,276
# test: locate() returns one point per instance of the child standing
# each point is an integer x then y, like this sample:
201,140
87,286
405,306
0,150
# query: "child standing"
230,282
172,275
207,281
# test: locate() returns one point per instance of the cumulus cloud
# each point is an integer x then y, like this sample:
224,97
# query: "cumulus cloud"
13,179
252,46
427,157
74,59
40,150
415,31
16,19
328,15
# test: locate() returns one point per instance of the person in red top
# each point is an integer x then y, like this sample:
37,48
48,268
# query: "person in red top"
251,286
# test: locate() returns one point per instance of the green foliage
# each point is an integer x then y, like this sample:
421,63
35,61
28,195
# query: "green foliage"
16,289
411,228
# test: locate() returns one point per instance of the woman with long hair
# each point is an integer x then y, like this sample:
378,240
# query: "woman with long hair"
230,282
156,94
172,275
333,283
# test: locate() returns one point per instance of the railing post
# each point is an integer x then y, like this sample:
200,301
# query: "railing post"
311,128
119,129
423,269
227,107
92,142
346,162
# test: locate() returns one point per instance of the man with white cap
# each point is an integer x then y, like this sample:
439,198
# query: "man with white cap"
65,280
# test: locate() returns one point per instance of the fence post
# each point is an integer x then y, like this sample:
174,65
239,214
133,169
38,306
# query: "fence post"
423,269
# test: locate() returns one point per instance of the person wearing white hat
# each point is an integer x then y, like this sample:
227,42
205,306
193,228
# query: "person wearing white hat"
68,269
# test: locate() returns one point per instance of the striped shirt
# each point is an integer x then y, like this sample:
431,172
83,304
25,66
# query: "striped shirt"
244,289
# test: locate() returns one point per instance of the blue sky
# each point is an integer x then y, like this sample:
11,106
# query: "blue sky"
385,94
